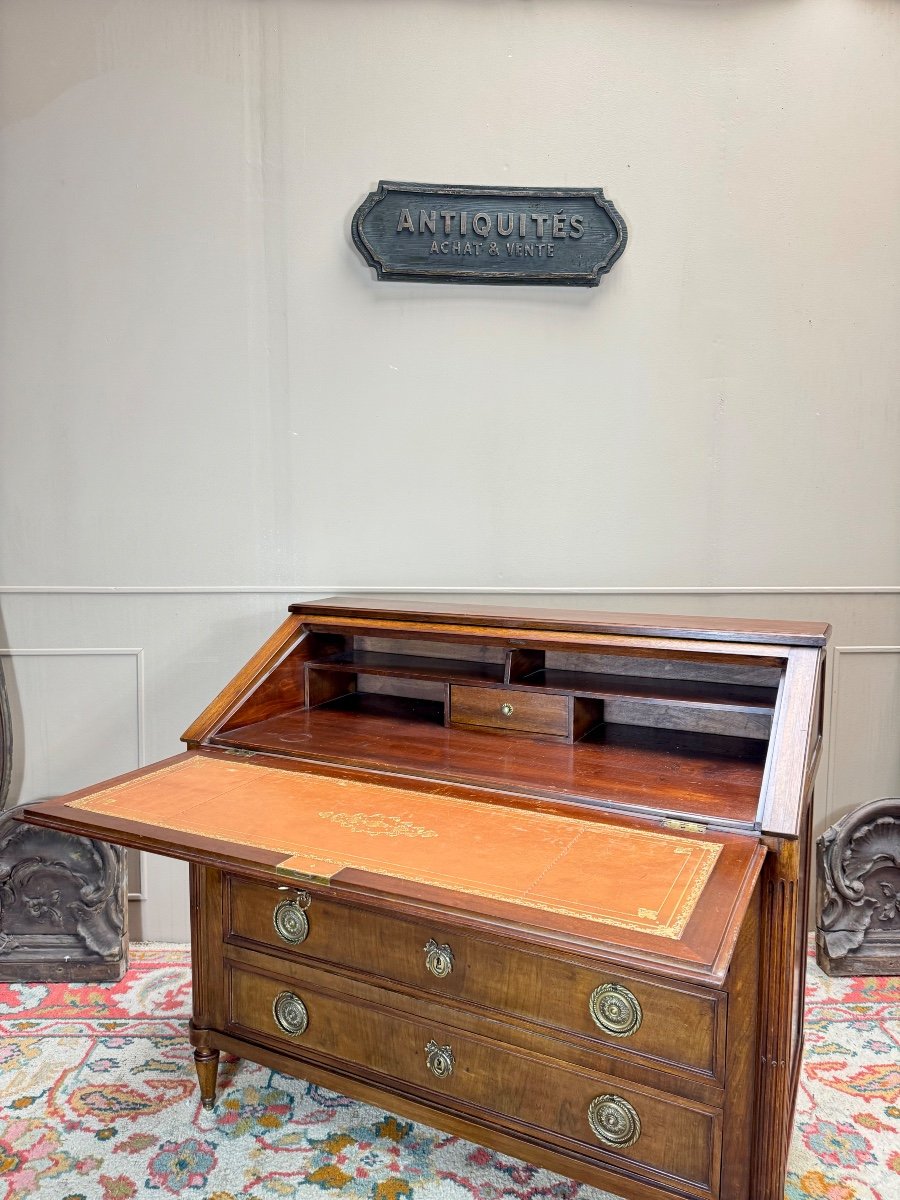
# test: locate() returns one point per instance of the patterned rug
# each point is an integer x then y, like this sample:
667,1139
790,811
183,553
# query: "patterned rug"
98,1102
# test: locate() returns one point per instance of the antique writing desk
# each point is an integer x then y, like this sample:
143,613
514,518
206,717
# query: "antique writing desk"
538,878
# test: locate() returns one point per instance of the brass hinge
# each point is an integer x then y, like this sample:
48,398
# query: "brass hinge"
690,826
238,753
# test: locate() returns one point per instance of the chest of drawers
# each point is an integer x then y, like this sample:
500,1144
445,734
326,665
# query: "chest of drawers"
533,878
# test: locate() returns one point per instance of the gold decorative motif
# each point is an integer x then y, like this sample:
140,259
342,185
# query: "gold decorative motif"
649,914
378,825
438,959
439,1060
614,1121
615,1010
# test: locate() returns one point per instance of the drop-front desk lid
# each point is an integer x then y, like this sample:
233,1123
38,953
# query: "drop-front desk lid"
666,899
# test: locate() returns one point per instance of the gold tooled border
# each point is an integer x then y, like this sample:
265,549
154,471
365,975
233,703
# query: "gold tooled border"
672,931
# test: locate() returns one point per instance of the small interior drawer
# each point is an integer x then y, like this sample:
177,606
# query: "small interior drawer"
506,708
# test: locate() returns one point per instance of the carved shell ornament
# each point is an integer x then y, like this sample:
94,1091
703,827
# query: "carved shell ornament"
94,904
872,845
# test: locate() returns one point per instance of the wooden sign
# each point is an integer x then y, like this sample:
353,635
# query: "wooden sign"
455,234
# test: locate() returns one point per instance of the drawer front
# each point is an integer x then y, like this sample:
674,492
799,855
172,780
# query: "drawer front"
667,1025
501,708
591,1112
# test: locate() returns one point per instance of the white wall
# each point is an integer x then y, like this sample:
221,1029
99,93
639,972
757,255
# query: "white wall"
205,391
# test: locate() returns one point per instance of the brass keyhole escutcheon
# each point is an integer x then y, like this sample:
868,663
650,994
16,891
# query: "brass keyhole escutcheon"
438,959
507,709
290,919
290,1013
615,1010
439,1059
614,1121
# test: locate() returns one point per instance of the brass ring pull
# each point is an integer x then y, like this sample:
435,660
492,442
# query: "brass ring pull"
439,1060
290,1013
615,1010
614,1121
438,959
290,919
507,709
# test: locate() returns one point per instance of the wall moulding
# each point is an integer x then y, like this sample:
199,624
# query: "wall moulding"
327,589
838,654
137,654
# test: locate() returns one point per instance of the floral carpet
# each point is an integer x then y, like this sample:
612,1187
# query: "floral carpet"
98,1101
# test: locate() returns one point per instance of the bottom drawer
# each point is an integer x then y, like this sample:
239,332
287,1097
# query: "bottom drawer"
643,1129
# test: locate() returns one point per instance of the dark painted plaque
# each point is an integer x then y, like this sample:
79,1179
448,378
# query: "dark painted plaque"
456,234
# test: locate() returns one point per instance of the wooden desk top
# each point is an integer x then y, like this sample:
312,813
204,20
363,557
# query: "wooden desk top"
717,629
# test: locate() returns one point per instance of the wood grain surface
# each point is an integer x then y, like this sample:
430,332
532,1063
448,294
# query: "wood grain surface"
550,807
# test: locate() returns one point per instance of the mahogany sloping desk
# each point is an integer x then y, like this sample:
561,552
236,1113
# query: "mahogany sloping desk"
536,877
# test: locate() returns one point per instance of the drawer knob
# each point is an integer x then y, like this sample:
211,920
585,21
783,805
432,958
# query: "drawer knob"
439,1059
507,709
615,1010
438,959
290,1013
290,919
614,1121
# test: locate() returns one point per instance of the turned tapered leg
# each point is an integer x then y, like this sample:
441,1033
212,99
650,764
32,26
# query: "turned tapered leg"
207,975
207,1063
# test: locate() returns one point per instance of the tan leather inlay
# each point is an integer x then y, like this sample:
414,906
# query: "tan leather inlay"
631,878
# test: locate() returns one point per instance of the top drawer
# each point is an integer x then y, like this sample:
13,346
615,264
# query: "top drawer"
669,1025
506,708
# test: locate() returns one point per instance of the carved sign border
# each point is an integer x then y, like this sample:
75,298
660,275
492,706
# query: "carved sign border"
391,271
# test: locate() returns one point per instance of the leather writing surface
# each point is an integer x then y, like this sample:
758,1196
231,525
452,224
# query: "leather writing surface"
630,878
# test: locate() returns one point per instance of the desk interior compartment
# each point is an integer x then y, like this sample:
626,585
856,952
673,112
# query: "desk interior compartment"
672,731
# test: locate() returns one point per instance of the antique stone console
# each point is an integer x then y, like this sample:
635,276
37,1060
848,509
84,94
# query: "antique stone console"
537,878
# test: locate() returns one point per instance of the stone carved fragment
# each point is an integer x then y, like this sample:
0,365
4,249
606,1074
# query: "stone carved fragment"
858,927
63,912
